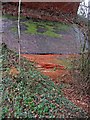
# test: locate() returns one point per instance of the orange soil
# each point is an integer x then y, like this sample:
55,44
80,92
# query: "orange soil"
48,65
52,66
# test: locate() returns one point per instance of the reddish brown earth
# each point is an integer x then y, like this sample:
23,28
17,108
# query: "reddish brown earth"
82,102
49,65
55,67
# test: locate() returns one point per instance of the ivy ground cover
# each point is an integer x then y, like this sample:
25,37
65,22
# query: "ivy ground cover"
29,94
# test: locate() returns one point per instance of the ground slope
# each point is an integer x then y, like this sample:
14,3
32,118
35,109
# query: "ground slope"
28,94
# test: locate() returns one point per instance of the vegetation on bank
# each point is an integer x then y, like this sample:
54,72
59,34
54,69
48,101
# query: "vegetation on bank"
28,94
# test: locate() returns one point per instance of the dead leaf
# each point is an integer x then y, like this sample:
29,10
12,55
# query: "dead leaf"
13,71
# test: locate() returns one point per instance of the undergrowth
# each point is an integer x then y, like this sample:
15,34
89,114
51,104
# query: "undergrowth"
82,74
30,94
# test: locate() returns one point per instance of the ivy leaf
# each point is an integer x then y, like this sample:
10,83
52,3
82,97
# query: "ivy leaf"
46,109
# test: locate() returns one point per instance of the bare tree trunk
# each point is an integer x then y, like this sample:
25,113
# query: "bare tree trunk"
89,26
19,47
14,101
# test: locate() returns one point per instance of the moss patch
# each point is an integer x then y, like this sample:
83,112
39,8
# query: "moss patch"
52,34
32,28
14,29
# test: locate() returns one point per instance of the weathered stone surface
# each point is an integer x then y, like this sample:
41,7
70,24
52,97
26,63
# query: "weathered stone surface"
42,44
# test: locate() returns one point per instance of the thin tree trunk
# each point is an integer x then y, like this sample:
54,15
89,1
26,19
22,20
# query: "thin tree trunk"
14,101
19,47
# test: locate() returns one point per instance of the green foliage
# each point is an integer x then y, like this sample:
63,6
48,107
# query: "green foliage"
32,94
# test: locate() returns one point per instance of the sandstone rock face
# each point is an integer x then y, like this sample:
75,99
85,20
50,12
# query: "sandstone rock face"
68,7
56,11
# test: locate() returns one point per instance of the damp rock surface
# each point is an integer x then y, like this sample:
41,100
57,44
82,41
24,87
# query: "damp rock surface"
39,43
